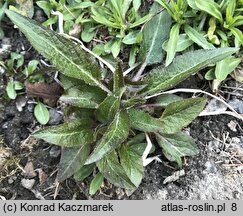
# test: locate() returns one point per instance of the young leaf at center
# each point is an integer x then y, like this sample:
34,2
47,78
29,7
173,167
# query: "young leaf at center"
115,134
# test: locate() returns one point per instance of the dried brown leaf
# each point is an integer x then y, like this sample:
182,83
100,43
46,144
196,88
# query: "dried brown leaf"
50,93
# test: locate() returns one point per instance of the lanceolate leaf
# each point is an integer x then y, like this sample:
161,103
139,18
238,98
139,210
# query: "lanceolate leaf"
108,108
112,170
132,163
84,172
142,121
195,36
96,183
176,146
211,7
70,134
161,78
115,134
172,43
155,32
179,114
70,59
72,160
84,96
118,80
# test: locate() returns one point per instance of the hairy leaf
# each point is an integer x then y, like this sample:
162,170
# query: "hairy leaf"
179,114
115,134
67,57
165,100
96,183
132,163
160,78
112,170
155,32
72,159
70,134
142,121
176,146
109,107
118,79
83,96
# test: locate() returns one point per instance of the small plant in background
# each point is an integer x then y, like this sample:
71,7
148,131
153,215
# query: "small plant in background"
207,24
111,122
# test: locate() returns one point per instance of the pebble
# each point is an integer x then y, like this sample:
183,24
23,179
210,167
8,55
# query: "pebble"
28,183
55,117
237,105
55,151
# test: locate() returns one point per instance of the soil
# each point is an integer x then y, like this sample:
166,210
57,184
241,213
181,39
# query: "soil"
216,173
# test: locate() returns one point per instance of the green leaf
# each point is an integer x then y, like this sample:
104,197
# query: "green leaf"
183,43
237,33
45,6
84,172
88,32
112,170
179,114
18,85
2,10
210,7
132,163
83,96
225,67
11,90
41,113
72,159
136,4
96,183
197,38
142,121
70,134
99,15
165,100
115,48
32,65
176,146
108,108
160,78
131,38
118,79
155,32
67,57
192,4
141,21
172,43
115,134
210,75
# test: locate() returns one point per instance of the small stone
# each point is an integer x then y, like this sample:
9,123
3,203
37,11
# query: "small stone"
55,117
55,151
237,105
232,125
28,183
